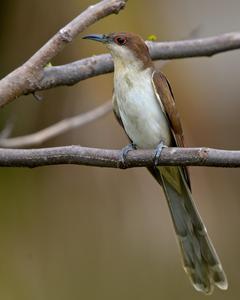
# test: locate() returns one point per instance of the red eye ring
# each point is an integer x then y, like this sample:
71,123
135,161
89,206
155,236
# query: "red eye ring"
120,40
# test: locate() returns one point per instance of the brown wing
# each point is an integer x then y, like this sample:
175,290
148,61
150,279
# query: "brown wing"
165,96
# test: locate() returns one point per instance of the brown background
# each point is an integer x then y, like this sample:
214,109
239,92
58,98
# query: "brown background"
71,232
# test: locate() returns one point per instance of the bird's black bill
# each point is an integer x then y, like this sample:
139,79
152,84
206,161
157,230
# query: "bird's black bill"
97,37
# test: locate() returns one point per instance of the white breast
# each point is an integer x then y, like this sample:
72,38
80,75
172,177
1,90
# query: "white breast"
139,108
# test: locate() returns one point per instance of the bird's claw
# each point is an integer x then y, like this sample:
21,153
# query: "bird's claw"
158,152
123,155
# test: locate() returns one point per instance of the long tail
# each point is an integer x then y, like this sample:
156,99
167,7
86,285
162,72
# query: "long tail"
200,259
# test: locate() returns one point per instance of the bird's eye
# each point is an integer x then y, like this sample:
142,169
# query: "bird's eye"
120,40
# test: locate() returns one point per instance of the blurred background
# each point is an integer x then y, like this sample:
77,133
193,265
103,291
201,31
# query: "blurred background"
70,232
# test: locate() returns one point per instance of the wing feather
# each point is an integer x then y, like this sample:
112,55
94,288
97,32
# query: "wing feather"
165,97
166,100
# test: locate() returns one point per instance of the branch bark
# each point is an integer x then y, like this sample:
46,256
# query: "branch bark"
56,129
111,158
33,77
195,47
74,72
27,77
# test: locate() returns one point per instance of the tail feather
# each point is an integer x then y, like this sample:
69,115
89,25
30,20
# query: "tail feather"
200,259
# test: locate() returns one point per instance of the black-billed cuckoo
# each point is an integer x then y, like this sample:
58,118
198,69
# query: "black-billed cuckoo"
144,105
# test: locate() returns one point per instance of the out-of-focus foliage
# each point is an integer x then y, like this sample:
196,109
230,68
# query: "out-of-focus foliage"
88,233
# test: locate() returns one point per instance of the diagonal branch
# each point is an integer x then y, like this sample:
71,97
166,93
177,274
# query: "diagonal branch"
111,158
74,72
56,129
28,76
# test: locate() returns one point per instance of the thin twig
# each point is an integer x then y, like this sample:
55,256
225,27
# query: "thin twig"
111,158
72,73
56,129
28,76
195,47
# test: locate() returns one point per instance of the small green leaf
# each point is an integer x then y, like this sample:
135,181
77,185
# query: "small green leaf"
48,65
152,37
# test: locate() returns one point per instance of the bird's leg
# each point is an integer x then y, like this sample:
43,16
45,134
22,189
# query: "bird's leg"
158,151
123,155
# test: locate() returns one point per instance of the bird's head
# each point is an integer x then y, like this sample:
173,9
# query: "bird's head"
126,48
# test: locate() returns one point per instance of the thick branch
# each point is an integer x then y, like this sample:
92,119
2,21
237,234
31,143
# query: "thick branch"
111,158
28,76
72,73
56,129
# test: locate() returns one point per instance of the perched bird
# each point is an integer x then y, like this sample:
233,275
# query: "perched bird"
144,105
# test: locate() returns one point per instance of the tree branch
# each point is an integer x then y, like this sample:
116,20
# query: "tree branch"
28,76
74,72
195,47
56,129
111,158
31,77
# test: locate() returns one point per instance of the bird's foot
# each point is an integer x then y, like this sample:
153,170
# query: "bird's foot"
124,152
158,151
